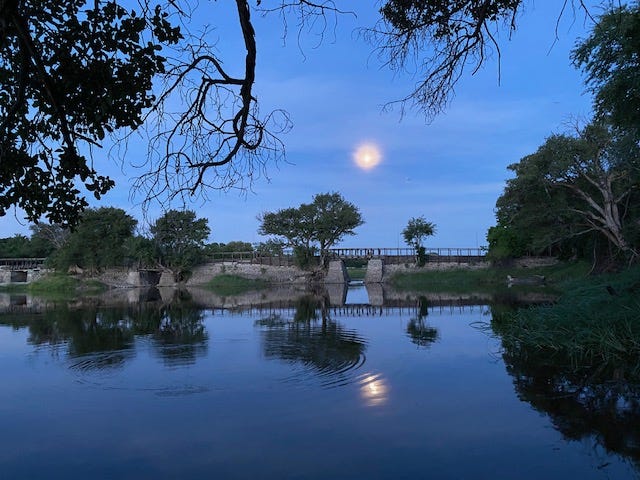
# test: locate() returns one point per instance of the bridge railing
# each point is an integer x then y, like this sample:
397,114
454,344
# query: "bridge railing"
252,257
390,255
21,263
395,255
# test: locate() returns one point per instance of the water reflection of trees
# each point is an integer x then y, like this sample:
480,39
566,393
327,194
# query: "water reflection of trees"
582,402
418,330
102,337
327,350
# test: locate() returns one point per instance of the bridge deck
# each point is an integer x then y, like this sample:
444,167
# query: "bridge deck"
21,263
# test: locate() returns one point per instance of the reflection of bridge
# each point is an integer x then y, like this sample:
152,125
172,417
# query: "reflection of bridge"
398,309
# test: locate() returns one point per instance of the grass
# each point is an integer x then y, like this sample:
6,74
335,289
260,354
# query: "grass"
486,280
57,285
226,285
357,273
596,322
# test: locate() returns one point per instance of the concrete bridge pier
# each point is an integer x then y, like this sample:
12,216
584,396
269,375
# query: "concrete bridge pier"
20,276
375,271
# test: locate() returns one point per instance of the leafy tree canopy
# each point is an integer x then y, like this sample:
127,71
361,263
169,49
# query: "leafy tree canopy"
417,230
70,72
610,58
575,187
180,239
323,222
98,241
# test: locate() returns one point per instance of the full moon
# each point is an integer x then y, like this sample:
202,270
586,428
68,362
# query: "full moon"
367,156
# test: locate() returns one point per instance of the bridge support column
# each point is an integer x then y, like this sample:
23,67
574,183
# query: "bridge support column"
375,271
337,272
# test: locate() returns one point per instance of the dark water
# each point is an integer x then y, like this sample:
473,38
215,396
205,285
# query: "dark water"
175,390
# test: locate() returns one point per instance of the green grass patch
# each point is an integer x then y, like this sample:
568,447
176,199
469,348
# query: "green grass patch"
57,284
357,273
485,280
15,288
234,285
595,323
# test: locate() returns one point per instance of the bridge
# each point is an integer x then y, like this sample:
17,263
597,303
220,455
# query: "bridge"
20,270
403,255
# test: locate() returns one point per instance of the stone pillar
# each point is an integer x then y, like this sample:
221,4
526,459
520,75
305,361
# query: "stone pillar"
375,271
166,280
337,272
133,278
5,276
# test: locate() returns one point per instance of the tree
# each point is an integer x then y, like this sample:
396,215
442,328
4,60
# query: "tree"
581,186
610,58
323,223
440,39
71,71
417,230
74,71
98,241
180,240
271,247
53,234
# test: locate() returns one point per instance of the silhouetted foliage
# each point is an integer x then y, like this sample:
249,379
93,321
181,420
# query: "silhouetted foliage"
322,223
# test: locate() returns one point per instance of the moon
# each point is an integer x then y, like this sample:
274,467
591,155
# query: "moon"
367,156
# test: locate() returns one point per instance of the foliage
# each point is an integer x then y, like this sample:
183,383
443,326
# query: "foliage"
485,280
180,239
233,246
20,246
610,58
55,284
140,251
71,72
593,325
442,38
322,223
99,240
576,195
54,235
417,230
505,243
271,247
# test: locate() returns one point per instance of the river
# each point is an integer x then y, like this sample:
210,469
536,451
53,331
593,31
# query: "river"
178,387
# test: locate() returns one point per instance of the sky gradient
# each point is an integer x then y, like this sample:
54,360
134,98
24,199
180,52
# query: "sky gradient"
450,171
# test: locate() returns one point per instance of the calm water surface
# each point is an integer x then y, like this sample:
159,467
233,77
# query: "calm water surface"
179,391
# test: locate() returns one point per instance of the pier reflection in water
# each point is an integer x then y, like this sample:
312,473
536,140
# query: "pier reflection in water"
179,387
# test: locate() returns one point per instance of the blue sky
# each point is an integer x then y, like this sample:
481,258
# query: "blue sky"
450,171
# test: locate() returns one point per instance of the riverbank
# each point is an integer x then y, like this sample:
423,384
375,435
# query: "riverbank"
488,280
594,324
